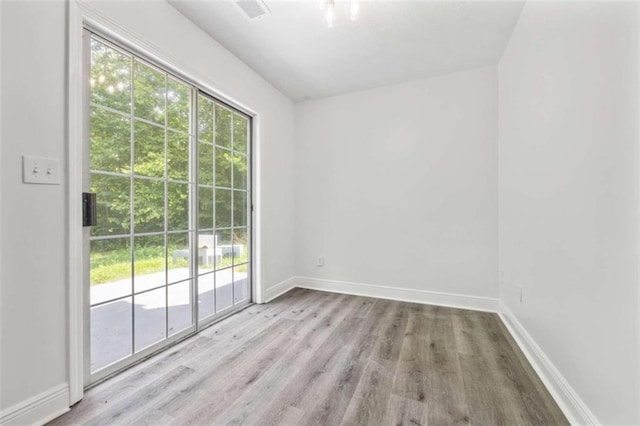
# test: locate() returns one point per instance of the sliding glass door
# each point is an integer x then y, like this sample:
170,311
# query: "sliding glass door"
170,167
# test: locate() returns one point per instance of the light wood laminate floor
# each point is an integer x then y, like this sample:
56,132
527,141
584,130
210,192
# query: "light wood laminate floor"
316,358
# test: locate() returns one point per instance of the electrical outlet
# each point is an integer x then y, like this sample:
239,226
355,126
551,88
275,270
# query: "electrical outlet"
40,170
520,288
320,261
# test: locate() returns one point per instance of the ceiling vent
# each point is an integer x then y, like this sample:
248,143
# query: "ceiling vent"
253,9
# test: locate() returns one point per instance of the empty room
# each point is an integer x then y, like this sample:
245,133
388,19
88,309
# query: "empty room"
319,212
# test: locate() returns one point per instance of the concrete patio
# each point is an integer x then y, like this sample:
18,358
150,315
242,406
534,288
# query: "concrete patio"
156,312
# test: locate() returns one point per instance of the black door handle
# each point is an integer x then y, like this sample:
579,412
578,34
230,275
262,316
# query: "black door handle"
89,217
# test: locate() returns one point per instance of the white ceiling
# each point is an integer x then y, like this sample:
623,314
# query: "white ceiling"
391,41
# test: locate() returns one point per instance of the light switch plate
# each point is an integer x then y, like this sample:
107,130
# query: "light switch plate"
40,170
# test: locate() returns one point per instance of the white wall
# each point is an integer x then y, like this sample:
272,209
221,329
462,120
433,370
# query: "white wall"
397,186
568,131
34,298
34,287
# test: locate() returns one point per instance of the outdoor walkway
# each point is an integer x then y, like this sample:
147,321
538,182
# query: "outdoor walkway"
155,313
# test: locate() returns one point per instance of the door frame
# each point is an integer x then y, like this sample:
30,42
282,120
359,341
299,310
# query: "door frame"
80,16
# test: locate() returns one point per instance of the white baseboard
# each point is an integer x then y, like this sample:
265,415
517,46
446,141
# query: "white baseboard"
39,409
475,303
279,289
565,396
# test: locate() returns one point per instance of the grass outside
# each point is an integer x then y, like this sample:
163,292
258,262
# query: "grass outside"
113,265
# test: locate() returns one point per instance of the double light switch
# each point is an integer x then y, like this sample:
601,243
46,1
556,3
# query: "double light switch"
40,170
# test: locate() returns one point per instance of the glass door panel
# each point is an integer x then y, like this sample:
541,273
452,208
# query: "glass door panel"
224,207
139,168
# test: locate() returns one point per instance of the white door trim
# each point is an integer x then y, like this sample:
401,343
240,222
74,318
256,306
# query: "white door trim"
75,133
81,13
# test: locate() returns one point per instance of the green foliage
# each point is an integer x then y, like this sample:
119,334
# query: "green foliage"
149,150
240,133
239,171
239,208
205,208
178,156
148,93
110,77
178,105
205,164
113,206
224,164
110,141
149,205
223,126
223,208
205,120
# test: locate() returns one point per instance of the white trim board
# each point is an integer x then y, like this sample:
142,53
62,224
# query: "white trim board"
75,267
476,303
573,407
39,409
279,289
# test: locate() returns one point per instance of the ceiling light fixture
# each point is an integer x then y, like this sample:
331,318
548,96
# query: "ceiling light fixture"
329,6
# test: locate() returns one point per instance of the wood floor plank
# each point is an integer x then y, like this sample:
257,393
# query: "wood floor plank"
447,397
310,380
210,402
364,307
476,340
526,389
369,403
126,411
311,301
411,374
123,386
316,358
213,398
292,416
405,412
482,393
253,319
345,376
211,375
225,346
251,407
315,313
387,350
